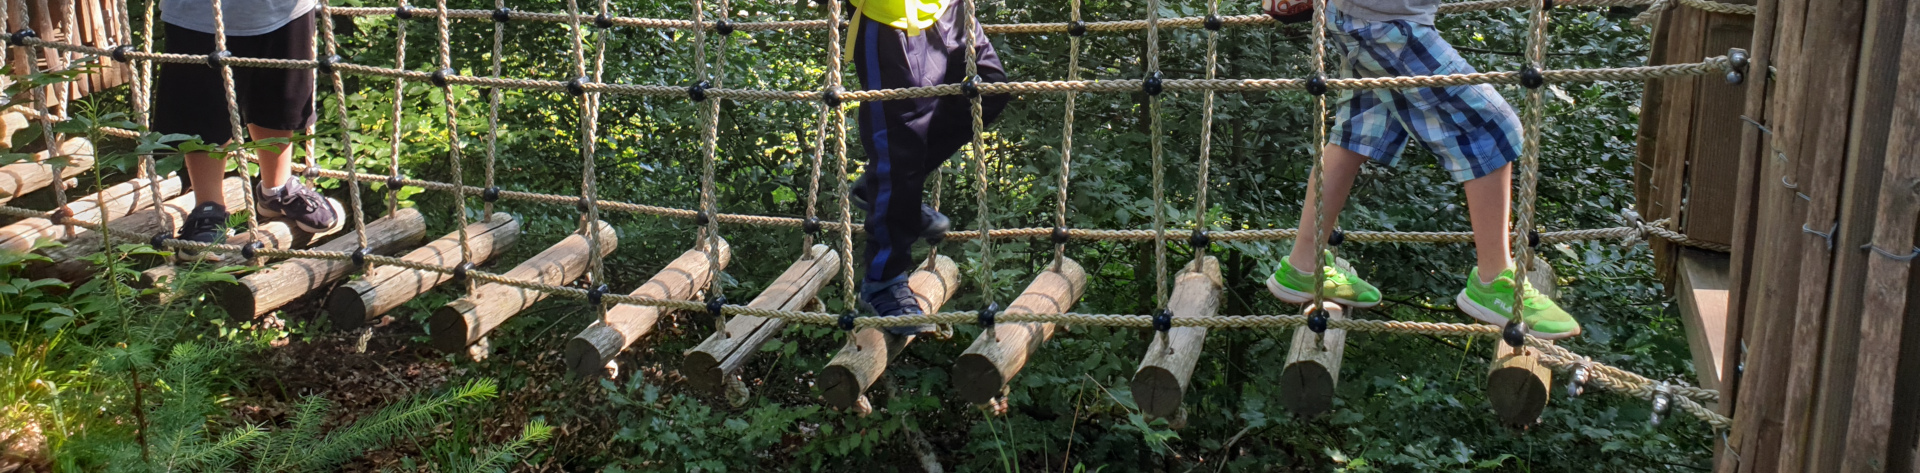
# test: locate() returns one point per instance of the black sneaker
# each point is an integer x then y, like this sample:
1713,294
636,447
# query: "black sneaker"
892,298
934,225
206,224
307,209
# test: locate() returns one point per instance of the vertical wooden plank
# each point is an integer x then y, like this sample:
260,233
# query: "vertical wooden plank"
1668,178
1754,154
1714,147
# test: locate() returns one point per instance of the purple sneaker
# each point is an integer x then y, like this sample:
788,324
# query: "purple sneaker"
307,209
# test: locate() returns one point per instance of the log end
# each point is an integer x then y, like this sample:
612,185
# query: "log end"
449,327
237,299
1157,391
839,387
977,378
587,354
702,372
1517,387
346,307
1306,389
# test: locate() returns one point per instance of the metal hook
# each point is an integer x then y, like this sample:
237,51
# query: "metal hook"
1763,128
1828,235
1789,184
1889,255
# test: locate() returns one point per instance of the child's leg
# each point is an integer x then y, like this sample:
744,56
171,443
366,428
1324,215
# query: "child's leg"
894,133
276,162
1489,202
206,172
1339,165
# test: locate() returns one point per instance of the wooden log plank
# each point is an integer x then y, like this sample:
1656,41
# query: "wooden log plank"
1160,383
13,120
75,157
463,322
983,371
1517,383
271,234
273,287
1755,152
1702,297
708,365
121,199
68,263
364,300
1313,369
588,353
859,364
1707,214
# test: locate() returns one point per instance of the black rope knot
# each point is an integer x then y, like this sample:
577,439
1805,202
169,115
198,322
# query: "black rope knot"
811,226
1513,334
490,194
1199,239
403,12
602,21
1152,85
251,249
698,91
502,15
1317,85
1059,235
577,86
460,272
970,86
439,78
596,295
1163,320
986,316
360,256
19,38
218,58
325,64
1317,320
831,97
1077,28
310,173
1547,6
846,321
393,182
1531,78
723,27
120,52
159,241
60,215
1533,238
580,204
1336,238
1214,23
716,306
700,218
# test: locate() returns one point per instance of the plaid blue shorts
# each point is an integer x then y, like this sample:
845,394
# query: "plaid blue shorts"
1470,127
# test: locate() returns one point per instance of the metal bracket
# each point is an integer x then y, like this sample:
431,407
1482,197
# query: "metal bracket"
1889,255
1827,236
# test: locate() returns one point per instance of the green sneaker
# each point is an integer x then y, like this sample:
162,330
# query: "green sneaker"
1493,302
1341,285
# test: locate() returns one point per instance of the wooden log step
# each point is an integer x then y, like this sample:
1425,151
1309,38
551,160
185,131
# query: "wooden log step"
20,178
363,301
275,234
983,371
1313,369
273,287
588,353
1517,383
708,365
68,263
13,120
463,322
860,362
121,199
1160,385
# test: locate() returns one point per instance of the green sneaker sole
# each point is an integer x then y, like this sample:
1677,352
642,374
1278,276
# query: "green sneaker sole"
1489,316
1301,297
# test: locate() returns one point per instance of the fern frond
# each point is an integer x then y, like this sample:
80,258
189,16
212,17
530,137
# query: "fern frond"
495,457
388,424
218,455
283,446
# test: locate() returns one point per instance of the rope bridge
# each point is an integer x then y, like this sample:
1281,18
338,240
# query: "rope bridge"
831,99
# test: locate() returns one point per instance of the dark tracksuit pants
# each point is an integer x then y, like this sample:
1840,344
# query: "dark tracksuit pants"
907,139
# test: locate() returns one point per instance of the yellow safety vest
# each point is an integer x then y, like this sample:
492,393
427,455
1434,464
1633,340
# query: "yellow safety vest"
894,13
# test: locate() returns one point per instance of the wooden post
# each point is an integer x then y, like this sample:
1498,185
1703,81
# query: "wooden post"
273,287
588,353
122,199
20,178
463,322
1313,367
1160,384
865,356
983,371
364,300
708,365
69,263
1517,383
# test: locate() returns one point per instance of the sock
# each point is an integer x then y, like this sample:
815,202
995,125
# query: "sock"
272,191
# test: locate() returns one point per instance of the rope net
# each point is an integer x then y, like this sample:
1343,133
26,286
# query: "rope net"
832,98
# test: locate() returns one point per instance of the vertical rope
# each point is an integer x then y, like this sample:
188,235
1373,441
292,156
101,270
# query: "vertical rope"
445,63
979,154
710,135
140,89
833,82
1066,143
1159,171
1200,223
352,183
493,108
399,97
590,115
233,119
1529,172
46,125
1317,174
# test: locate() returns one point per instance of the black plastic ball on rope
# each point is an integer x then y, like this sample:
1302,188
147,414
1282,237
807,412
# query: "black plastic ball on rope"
159,240
393,182
1153,84
1533,238
490,194
723,27
831,97
1214,23
698,91
460,272
846,321
19,38
1317,320
986,315
811,226
1531,78
502,15
218,58
439,78
251,249
700,218
1336,238
1317,85
403,12
1199,239
716,307
1060,235
577,86
1513,334
602,21
1548,5
60,215
120,52
1077,28
360,256
596,295
581,204
1163,320
970,86
326,64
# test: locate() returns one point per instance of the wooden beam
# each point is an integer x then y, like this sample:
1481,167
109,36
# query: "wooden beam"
364,300
1517,383
1702,298
275,234
273,287
463,322
1313,369
12,120
121,199
588,353
1160,383
859,364
17,179
708,365
983,371
69,263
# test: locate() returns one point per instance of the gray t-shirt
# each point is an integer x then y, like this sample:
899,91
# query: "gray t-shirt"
1416,11
243,17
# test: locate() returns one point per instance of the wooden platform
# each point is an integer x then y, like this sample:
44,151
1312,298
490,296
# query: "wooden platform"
1701,293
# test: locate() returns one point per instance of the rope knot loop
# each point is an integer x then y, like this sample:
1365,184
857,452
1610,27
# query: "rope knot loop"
359,256
698,91
460,272
1152,85
19,38
218,59
502,15
439,78
1163,320
1077,28
596,295
1531,78
1317,85
120,52
986,315
325,64
490,194
251,249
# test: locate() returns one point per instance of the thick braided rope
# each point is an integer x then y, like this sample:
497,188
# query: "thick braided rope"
1159,170
1528,168
1206,135
493,108
709,144
833,85
1066,144
445,62
54,140
346,131
1317,173
971,30
589,111
596,269
239,130
142,93
399,97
